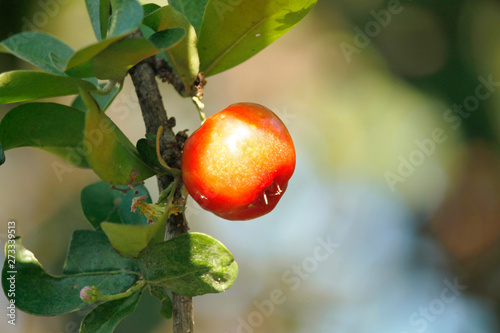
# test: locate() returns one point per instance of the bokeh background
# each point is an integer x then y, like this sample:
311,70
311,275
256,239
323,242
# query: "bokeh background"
394,107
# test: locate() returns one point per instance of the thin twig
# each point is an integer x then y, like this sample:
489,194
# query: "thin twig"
154,114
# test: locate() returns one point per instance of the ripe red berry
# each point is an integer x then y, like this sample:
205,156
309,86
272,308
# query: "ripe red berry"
238,163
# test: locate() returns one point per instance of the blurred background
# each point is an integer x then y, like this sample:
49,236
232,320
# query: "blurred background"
391,222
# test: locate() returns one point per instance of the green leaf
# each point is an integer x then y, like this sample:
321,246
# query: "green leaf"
104,101
126,17
2,155
190,265
183,57
104,11
20,86
166,302
146,31
192,9
80,64
90,251
101,203
149,8
147,149
36,48
40,293
105,317
58,62
99,13
129,240
55,128
115,61
234,31
167,39
112,58
110,153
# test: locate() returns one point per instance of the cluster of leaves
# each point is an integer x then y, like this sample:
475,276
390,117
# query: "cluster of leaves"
193,36
122,250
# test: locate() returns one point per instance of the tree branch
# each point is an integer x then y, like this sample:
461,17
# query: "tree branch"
155,115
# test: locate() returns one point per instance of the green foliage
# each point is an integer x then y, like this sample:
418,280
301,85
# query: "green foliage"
2,155
53,127
230,34
174,31
110,153
102,203
39,49
91,261
80,64
193,10
183,58
105,317
194,36
130,240
166,302
90,251
104,101
20,86
190,264
207,36
110,210
98,12
123,53
149,8
126,17
147,149
130,51
115,54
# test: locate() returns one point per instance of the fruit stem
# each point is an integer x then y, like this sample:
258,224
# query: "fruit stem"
200,106
176,173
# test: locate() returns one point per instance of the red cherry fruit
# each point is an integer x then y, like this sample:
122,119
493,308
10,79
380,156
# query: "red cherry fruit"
238,163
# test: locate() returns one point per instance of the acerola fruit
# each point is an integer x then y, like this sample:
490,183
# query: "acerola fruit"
238,163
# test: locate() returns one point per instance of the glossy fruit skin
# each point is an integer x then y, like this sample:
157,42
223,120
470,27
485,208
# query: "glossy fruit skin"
238,163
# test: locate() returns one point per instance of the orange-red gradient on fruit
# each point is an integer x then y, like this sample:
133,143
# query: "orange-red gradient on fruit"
238,163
